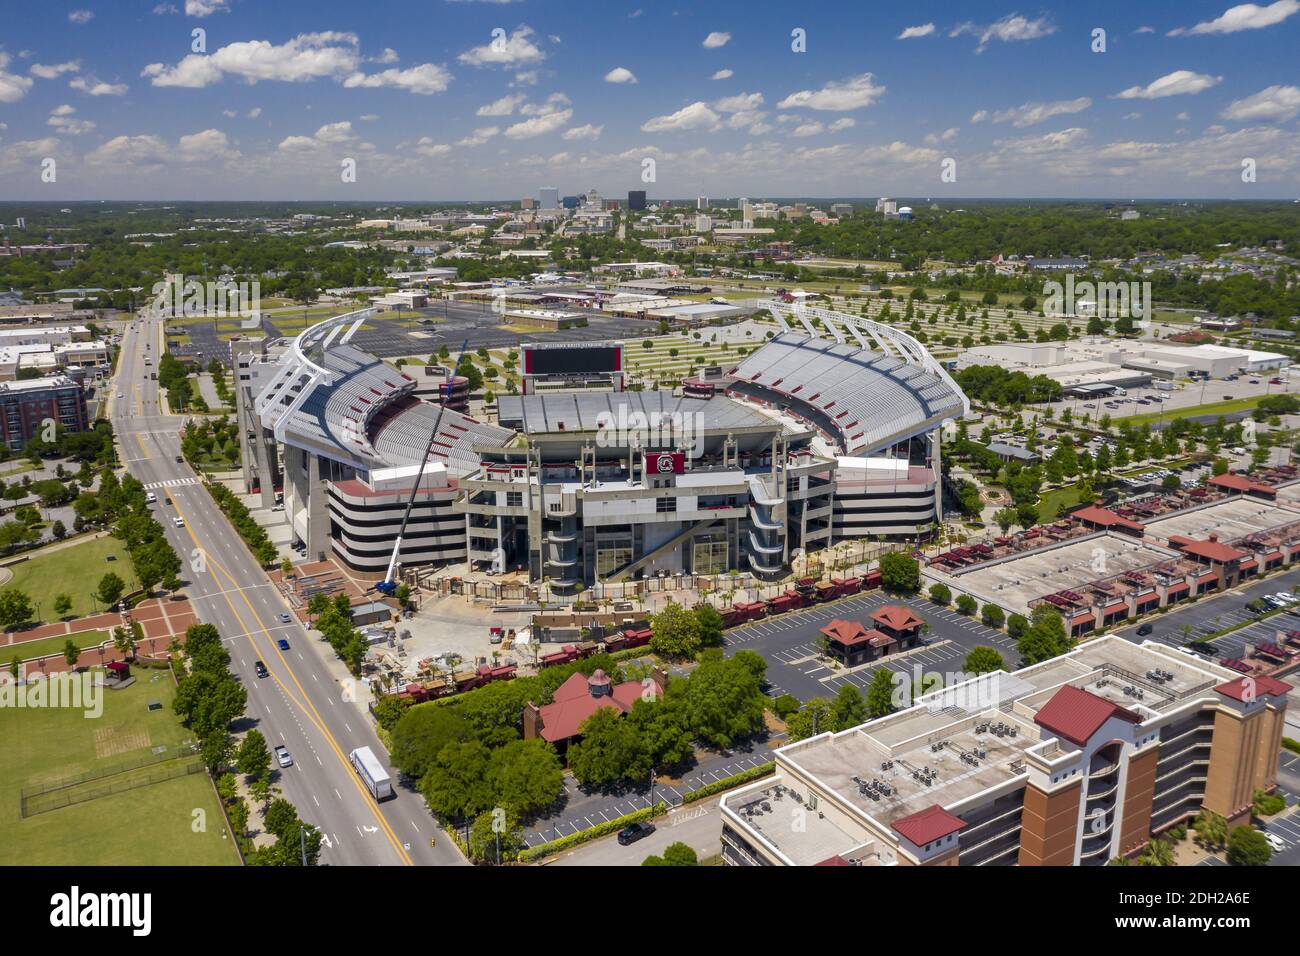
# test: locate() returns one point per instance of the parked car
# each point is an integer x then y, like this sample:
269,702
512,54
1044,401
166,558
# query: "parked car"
282,756
1144,630
633,832
1275,842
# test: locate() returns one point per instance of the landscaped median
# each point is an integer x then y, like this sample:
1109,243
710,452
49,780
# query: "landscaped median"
541,851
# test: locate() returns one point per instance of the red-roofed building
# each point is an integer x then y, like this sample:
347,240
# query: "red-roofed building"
1243,485
1105,519
1076,714
852,642
932,833
1248,689
899,623
578,698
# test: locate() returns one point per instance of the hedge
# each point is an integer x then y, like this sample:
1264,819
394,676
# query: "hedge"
1291,745
726,783
592,833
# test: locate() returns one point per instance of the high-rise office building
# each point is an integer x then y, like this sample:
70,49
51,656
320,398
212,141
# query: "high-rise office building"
702,203
549,196
636,199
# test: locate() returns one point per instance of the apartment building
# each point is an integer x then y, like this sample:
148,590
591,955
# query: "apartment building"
1071,762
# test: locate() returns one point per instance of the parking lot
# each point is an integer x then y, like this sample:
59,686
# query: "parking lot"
789,644
581,810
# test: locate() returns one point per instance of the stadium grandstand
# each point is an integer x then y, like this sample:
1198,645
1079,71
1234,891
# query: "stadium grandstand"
806,441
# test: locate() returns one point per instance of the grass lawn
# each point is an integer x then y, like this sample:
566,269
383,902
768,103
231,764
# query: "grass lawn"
1054,502
26,650
145,826
1210,408
74,571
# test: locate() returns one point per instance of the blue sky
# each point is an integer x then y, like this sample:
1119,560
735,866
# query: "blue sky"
430,106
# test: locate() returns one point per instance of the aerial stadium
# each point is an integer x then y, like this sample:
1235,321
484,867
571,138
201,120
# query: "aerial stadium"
806,441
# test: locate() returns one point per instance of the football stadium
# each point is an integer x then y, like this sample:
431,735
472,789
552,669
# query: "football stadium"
830,430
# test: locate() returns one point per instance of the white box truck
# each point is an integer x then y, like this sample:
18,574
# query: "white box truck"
371,772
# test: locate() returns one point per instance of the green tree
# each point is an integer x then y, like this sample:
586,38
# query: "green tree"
456,786
940,594
983,660
815,717
71,653
525,775
252,758
849,708
677,632
880,693
676,854
608,752
110,588
721,702
900,573
966,604
495,837
993,616
1211,828
1248,847
15,608
62,604
422,733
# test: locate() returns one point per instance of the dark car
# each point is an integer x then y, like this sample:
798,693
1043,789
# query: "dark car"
180,460
282,644
1144,630
260,669
633,832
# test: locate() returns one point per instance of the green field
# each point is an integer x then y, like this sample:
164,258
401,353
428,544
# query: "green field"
27,650
148,825
74,571
1211,408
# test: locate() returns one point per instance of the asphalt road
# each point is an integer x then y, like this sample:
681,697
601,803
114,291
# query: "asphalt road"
302,703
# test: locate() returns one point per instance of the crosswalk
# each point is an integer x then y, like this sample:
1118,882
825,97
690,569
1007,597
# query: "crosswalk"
171,483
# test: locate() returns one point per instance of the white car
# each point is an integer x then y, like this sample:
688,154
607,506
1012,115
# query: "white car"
282,756
1286,597
179,522
1275,842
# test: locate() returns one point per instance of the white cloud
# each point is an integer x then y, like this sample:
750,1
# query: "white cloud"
526,78
1030,114
308,56
425,79
715,40
583,132
255,112
1184,116
205,8
979,116
1131,116
502,107
388,56
165,9
1244,16
924,30
61,118
1012,28
620,74
94,87
81,16
554,102
723,75
479,136
152,151
854,93
54,70
697,115
900,152
934,139
539,124
1178,83
844,122
12,86
1145,29
1272,103
810,128
340,132
514,50
741,102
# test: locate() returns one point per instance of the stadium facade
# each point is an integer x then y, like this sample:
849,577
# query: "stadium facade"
805,442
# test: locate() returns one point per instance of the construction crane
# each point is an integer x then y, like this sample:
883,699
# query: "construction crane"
388,585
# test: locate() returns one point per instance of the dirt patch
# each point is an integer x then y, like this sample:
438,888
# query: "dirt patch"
110,743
